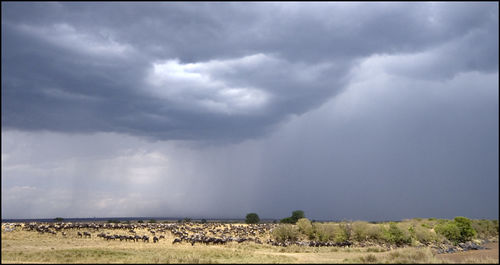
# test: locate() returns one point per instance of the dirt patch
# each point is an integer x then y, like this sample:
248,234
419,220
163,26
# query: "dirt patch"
487,255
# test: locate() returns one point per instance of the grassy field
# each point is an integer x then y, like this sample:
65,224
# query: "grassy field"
30,247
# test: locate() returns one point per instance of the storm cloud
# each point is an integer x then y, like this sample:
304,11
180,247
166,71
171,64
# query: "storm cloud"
345,110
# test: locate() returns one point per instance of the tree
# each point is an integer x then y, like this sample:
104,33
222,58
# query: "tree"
296,215
252,218
287,220
203,221
58,219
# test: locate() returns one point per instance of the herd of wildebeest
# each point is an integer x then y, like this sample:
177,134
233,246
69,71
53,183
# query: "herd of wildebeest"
187,232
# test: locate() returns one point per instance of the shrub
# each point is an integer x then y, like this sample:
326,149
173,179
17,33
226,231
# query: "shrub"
375,232
424,235
252,218
370,258
465,226
324,232
305,227
343,232
152,221
426,225
203,221
58,219
449,230
397,236
360,231
285,232
484,228
140,221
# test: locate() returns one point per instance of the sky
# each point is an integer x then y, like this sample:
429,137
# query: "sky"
345,110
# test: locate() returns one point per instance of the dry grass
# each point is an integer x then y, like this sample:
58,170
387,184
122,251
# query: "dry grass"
31,247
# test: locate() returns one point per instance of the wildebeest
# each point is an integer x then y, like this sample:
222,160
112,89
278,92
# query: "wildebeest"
86,234
176,240
145,238
155,239
79,234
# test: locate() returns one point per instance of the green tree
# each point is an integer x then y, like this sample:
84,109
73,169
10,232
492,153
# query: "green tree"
58,219
296,215
152,221
252,218
287,220
203,221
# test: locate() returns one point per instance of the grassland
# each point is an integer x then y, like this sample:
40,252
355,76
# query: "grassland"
29,247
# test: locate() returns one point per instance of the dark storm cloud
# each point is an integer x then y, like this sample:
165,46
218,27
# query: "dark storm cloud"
227,70
368,111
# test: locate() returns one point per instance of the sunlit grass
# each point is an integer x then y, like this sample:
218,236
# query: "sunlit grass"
30,247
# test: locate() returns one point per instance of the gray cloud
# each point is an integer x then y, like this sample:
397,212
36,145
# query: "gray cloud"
367,111
86,67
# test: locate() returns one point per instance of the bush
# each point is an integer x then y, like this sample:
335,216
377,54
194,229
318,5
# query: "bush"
363,231
113,221
343,232
285,232
370,258
140,221
152,221
424,235
360,231
203,221
324,232
458,230
375,232
466,230
397,236
252,218
449,230
305,227
58,219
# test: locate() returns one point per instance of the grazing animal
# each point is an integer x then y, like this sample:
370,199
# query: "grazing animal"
145,238
155,239
79,234
177,240
87,234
